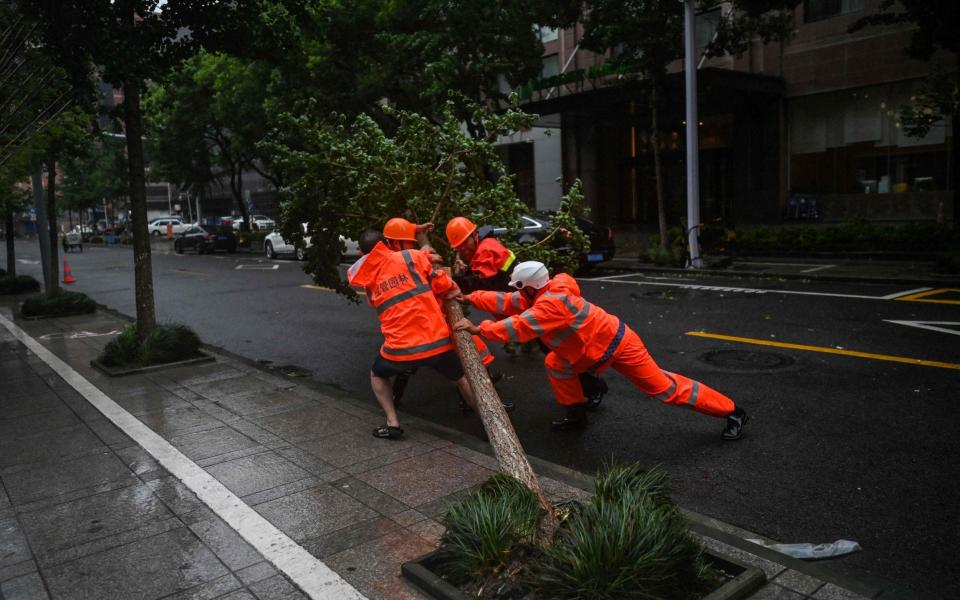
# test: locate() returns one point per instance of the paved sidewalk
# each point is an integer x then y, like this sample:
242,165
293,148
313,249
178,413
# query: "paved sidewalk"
827,268
87,512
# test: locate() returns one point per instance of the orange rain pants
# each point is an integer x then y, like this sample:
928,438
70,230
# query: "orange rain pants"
632,360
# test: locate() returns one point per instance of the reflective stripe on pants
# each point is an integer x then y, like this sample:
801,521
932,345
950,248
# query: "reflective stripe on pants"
634,362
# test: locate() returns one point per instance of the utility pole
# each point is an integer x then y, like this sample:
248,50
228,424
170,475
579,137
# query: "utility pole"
693,135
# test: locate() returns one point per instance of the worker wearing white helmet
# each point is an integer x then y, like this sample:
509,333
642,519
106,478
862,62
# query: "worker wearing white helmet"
583,337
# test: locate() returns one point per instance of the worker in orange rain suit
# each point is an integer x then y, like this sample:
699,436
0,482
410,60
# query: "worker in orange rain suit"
403,285
584,337
484,264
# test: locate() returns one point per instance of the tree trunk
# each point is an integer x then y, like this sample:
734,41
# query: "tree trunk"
11,246
503,438
52,224
142,269
657,173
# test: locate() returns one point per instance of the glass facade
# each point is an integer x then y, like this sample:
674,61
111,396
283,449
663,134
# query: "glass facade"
851,142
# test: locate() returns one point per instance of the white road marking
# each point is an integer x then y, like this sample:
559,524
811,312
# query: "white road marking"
76,335
715,288
28,262
315,578
252,267
930,325
820,268
906,293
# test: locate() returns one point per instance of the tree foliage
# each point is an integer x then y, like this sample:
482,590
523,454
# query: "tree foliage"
352,174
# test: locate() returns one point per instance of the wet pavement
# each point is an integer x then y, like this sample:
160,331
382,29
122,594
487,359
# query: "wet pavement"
92,510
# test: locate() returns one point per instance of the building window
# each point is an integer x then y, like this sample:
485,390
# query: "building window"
548,34
818,10
850,143
551,66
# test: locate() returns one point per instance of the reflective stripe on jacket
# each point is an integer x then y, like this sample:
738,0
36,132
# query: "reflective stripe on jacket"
490,258
403,288
578,331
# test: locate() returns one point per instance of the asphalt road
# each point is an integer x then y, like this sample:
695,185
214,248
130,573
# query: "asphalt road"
839,446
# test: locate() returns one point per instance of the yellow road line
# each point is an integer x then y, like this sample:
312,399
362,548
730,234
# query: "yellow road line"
922,296
900,359
318,287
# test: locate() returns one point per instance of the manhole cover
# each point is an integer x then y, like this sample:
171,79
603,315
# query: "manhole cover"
746,360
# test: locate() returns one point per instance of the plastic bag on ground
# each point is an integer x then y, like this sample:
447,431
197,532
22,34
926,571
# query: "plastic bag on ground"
812,551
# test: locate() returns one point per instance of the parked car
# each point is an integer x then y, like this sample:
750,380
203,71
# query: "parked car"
274,245
262,223
536,226
206,238
72,240
158,227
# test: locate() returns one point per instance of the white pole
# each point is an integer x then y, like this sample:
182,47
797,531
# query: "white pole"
693,133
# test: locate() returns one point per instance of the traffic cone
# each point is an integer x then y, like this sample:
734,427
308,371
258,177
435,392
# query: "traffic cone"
67,277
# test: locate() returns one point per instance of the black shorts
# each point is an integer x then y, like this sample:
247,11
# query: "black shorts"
446,363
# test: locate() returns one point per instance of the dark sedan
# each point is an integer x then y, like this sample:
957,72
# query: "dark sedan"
206,238
536,226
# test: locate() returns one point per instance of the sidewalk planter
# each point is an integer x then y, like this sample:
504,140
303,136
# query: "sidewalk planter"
169,345
627,537
133,370
745,580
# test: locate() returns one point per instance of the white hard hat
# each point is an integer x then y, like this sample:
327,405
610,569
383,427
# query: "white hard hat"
530,273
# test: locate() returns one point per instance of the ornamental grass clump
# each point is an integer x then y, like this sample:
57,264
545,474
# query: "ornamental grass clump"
61,304
628,541
170,343
165,344
485,528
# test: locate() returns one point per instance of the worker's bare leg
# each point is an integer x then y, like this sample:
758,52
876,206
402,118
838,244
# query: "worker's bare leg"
383,390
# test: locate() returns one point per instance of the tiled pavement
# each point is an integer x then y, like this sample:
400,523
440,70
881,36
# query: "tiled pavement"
85,512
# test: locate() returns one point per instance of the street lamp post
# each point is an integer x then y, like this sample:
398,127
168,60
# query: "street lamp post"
693,135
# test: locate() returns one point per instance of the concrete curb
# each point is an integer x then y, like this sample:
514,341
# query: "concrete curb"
932,279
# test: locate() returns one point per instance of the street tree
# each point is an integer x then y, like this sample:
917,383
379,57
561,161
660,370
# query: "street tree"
933,38
94,172
131,42
204,120
352,174
41,117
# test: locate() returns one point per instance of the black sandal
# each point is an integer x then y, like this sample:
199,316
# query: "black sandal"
388,432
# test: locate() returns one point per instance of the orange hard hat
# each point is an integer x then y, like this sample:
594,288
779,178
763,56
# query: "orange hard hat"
398,228
458,230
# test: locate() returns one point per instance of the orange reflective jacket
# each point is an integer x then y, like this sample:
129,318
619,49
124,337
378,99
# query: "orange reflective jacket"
579,332
490,258
403,287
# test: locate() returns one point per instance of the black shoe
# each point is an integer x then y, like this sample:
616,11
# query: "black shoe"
733,430
495,375
575,419
388,432
595,396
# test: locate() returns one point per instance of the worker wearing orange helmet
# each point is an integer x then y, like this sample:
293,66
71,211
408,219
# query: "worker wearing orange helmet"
583,337
484,264
404,286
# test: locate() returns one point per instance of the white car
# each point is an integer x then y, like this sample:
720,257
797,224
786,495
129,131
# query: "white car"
158,227
274,245
262,223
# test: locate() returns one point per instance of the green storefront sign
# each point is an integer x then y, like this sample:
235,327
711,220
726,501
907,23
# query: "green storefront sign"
595,72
